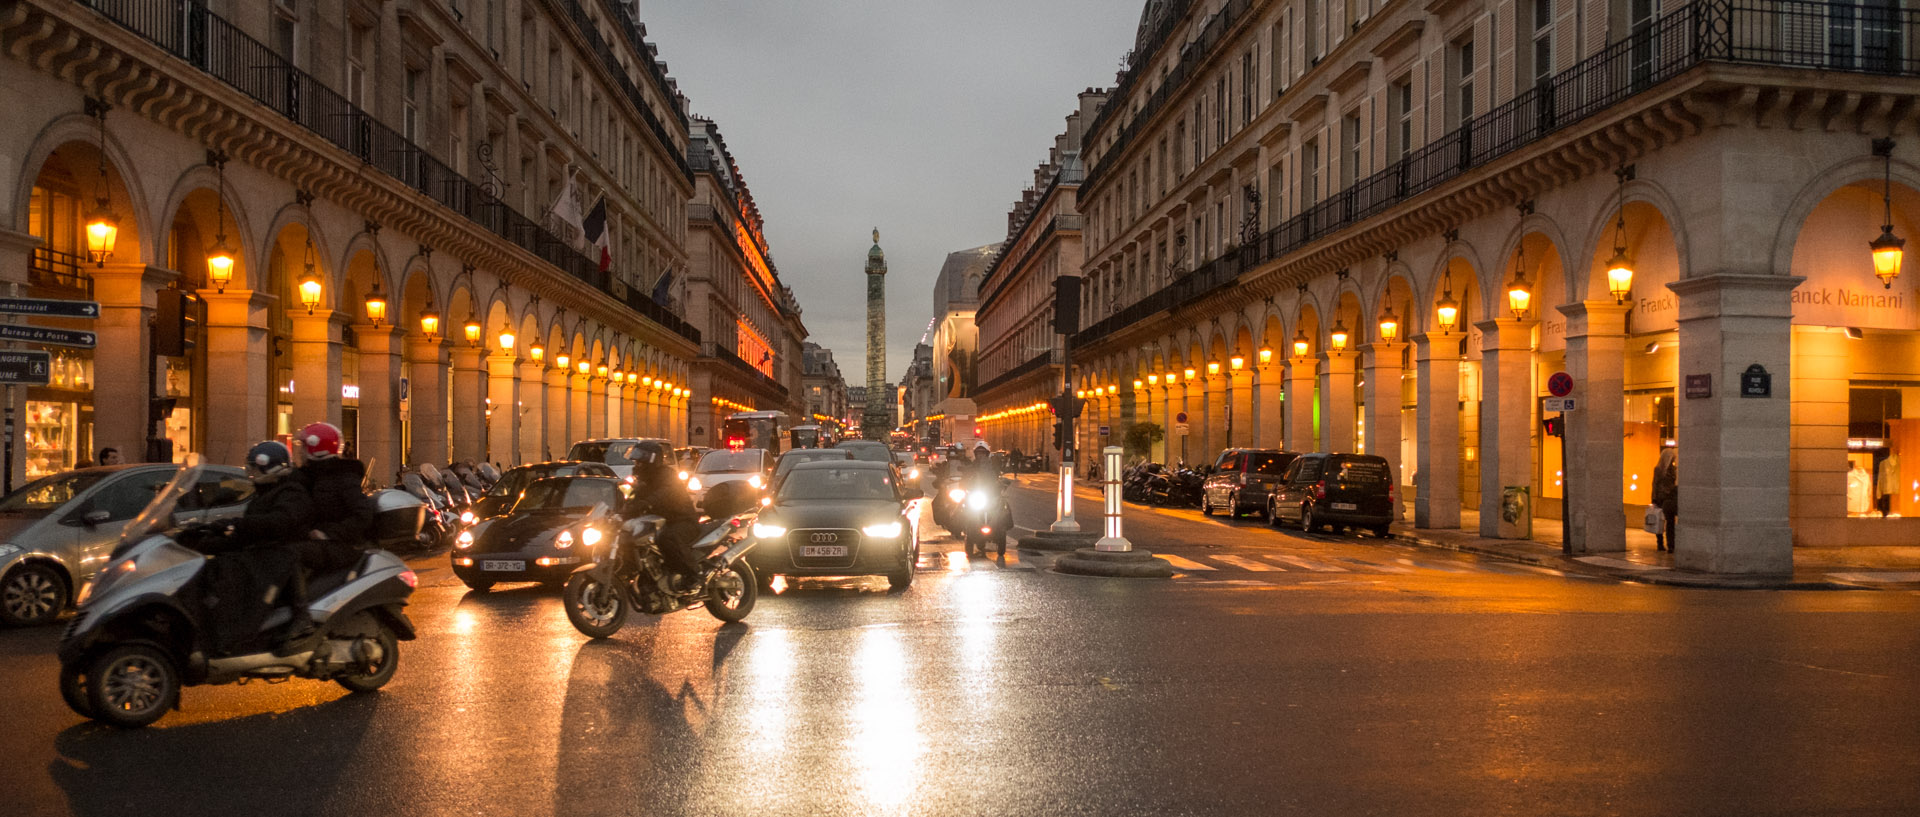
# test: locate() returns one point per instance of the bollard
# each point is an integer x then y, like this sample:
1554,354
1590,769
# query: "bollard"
1113,541
1063,504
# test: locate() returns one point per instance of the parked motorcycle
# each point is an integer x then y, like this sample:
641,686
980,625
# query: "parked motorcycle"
1137,484
985,516
438,529
628,572
142,632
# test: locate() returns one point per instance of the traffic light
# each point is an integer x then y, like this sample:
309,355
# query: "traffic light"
176,323
1066,304
1556,426
1062,435
1067,406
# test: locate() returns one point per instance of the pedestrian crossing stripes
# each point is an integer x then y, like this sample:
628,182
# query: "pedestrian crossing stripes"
1221,563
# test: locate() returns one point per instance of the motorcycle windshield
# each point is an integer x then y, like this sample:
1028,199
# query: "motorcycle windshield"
158,515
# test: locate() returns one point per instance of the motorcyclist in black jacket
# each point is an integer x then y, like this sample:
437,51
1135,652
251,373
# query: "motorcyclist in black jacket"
256,564
657,490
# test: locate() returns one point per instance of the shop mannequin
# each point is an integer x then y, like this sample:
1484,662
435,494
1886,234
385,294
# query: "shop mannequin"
1886,481
1859,491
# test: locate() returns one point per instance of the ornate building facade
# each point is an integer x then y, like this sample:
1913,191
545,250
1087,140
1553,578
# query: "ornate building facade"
441,231
1384,226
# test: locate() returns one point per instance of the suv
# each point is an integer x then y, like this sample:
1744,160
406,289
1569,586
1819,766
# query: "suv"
615,452
1242,478
1355,490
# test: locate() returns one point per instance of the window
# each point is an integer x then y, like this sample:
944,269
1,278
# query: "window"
1246,87
1160,180
286,30
410,107
1463,83
1641,14
1400,116
1219,226
1542,40
1351,169
1310,173
1179,143
358,38
1276,182
1199,127
1312,32
457,139
1277,54
1220,111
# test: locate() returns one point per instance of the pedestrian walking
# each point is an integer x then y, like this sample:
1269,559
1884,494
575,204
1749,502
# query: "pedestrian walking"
1666,495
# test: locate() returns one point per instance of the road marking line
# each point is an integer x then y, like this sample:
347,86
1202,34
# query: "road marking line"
1606,561
1382,566
1246,564
1432,566
1878,578
1316,567
1184,564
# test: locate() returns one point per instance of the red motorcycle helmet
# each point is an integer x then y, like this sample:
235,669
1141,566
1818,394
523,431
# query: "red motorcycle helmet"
322,440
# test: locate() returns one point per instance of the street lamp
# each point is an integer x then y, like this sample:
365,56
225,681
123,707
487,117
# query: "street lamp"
220,260
309,281
506,340
563,360
1619,267
430,323
1339,335
1447,310
537,352
103,226
1189,372
1887,249
376,304
1300,344
1266,355
1137,385
1389,325
1153,380
1236,363
585,367
472,330
1519,294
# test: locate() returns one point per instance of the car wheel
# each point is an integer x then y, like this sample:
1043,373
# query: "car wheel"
1273,514
901,579
32,594
1382,531
1206,505
132,685
1306,518
1233,506
481,586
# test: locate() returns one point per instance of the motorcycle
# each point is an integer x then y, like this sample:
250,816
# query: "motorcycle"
986,517
142,632
627,572
438,527
947,498
1137,485
1176,489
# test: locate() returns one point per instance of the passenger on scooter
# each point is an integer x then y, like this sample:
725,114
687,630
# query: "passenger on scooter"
658,491
257,558
343,513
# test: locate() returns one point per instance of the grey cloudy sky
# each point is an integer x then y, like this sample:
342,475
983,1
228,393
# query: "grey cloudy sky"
924,118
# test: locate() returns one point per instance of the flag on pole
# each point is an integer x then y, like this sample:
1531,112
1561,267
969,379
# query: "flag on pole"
595,230
566,208
663,289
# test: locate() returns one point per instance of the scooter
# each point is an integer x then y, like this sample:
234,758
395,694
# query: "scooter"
986,517
142,633
628,572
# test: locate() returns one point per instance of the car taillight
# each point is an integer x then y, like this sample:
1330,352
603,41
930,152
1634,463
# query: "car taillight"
1320,489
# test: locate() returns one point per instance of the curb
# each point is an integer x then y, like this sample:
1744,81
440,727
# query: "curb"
1126,564
1664,578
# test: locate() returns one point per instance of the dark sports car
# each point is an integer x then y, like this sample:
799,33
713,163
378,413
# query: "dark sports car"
505,492
844,518
540,538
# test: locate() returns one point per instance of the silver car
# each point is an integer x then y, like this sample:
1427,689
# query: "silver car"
57,531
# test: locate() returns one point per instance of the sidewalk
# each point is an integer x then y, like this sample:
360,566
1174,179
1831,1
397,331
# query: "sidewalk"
1850,568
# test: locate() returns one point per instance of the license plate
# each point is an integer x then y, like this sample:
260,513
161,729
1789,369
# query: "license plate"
502,565
820,551
1345,506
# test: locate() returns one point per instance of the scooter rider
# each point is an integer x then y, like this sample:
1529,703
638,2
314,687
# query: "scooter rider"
657,490
343,514
258,559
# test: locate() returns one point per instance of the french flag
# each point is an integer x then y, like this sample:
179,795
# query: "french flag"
595,230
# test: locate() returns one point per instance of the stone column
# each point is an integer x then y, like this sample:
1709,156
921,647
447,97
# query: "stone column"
597,406
1218,405
1436,501
1150,408
559,411
428,402
316,367
127,295
577,394
238,400
1506,420
379,382
1733,458
1200,408
533,413
503,428
469,403
1822,408
1383,406
1596,428
1269,410
1300,399
1173,402
1338,411
1241,424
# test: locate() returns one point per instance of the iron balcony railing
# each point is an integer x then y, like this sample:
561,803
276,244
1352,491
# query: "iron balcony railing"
603,51
1040,361
59,270
729,357
1781,33
1140,60
188,31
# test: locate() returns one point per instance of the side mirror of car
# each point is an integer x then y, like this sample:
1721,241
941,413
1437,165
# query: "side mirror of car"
97,517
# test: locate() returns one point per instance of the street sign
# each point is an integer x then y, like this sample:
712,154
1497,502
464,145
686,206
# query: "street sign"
1756,381
25,368
50,337
1557,404
1180,430
1699,386
1560,384
1180,418
1106,431
49,307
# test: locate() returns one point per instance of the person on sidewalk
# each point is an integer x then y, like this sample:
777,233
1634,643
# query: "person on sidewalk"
1666,494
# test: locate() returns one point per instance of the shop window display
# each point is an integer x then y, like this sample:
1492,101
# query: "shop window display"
1879,484
59,416
179,422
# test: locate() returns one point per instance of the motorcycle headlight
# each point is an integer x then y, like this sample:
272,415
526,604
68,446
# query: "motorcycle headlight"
591,536
957,494
564,540
683,476
884,530
755,481
977,501
768,530
466,517
464,540
913,473
693,483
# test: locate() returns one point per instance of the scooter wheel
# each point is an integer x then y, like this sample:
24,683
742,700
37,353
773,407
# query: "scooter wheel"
382,664
132,685
73,690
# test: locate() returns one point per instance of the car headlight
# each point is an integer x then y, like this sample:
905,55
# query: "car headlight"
564,540
767,530
466,517
957,494
884,530
755,481
464,540
591,536
977,501
693,483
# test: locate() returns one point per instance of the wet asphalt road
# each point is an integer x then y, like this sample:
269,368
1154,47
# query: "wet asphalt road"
1381,680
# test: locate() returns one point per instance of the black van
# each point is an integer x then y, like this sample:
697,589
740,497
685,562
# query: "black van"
1355,490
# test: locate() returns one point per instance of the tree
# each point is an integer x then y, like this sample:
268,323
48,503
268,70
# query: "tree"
1141,437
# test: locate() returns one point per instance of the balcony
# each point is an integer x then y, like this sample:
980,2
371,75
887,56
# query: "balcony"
188,31
1771,33
58,271
713,350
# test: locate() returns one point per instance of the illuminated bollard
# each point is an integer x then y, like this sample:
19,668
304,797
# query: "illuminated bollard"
1063,503
1113,540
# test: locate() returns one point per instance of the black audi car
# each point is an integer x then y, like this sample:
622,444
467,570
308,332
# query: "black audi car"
839,518
540,538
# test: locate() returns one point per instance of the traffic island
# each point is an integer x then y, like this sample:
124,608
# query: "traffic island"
1048,540
1121,564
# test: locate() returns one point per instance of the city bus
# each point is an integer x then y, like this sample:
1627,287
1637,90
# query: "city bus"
754,429
805,436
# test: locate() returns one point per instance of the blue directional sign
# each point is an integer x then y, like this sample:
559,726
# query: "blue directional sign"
49,337
25,368
50,307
